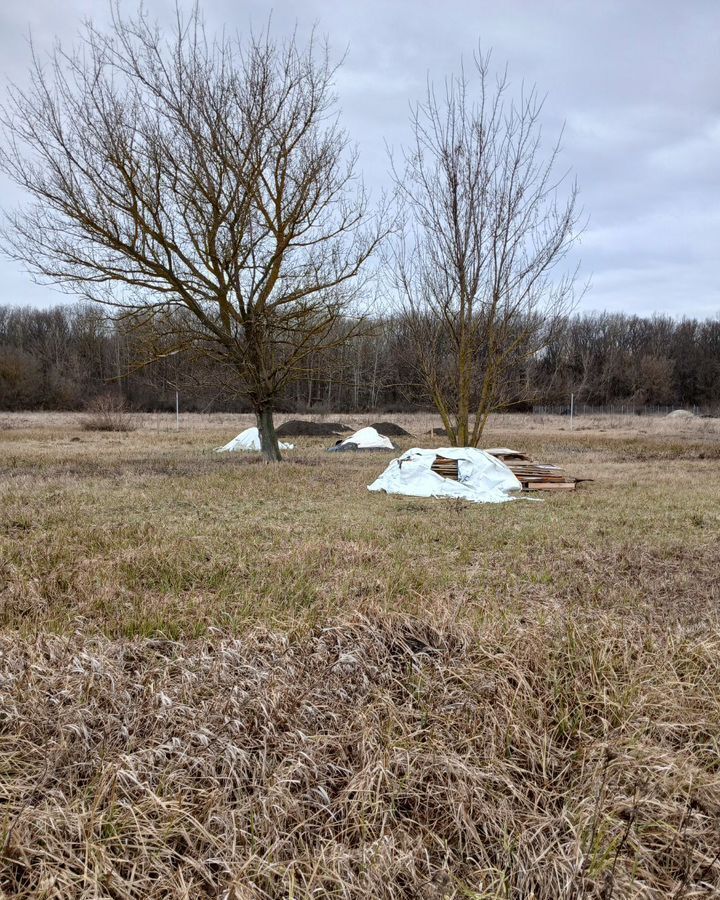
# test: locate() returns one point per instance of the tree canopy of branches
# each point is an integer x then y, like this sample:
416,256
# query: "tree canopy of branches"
206,176
486,231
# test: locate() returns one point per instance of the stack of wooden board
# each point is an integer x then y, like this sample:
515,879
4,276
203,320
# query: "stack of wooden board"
533,476
448,468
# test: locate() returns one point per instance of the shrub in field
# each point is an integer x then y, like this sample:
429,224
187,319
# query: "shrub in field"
108,413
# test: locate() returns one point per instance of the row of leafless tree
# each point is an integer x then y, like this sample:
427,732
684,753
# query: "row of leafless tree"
65,357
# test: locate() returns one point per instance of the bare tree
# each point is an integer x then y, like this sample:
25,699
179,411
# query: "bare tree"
206,176
485,234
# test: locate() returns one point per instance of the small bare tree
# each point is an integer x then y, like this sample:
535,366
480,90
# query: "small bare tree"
485,233
203,183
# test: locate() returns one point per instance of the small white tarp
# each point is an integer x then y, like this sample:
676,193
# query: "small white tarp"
248,440
481,477
369,439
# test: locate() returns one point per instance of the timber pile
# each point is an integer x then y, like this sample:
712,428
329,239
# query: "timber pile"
448,468
532,475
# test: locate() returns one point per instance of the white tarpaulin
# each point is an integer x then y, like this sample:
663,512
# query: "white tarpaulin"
481,477
369,439
248,440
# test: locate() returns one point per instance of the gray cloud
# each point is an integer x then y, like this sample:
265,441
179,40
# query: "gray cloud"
635,83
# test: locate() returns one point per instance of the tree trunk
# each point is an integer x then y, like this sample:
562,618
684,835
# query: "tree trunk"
268,438
464,382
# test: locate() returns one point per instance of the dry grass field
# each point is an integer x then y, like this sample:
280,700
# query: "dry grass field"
220,679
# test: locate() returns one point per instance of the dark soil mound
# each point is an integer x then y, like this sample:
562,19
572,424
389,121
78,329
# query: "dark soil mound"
389,429
438,432
298,428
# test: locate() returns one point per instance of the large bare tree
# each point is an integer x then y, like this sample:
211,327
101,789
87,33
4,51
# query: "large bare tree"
201,182
478,265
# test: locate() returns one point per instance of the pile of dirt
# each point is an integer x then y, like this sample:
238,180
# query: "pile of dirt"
390,429
437,432
367,439
299,428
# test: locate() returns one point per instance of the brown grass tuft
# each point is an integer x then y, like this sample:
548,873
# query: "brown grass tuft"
372,757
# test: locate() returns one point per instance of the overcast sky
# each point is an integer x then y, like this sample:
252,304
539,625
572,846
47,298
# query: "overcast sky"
636,83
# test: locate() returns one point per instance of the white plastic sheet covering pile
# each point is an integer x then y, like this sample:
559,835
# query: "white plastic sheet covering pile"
365,439
481,477
248,440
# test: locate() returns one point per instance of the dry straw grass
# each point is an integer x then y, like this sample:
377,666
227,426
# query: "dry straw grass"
376,757
219,680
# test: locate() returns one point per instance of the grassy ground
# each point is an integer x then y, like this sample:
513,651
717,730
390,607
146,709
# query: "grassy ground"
219,678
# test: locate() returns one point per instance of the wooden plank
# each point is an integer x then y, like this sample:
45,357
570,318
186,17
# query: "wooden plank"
531,475
506,453
551,486
532,479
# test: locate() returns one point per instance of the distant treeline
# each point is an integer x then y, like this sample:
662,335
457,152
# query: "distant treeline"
65,357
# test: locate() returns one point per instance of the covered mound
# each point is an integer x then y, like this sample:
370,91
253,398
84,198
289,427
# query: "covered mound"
247,440
298,428
680,414
481,477
365,439
390,429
